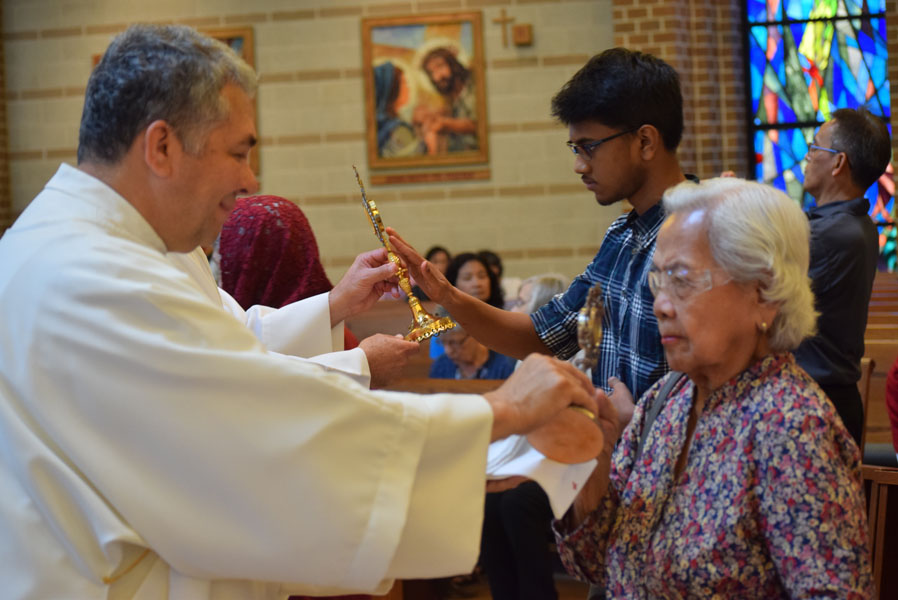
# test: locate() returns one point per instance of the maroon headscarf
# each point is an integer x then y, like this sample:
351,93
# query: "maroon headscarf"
269,255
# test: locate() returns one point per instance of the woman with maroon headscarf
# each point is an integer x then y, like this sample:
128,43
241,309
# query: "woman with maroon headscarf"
268,255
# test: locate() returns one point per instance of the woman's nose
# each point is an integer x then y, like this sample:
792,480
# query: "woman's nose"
662,306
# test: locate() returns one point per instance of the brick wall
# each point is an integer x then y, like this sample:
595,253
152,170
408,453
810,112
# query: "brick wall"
533,210
702,41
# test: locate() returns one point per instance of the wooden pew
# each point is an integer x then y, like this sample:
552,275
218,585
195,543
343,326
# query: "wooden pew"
881,331
394,317
883,352
885,304
386,316
881,344
882,483
882,317
882,520
882,279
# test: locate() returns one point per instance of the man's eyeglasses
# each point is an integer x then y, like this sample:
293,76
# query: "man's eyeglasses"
681,282
830,150
588,148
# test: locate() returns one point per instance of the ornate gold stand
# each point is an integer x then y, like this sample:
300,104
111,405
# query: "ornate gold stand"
589,334
425,324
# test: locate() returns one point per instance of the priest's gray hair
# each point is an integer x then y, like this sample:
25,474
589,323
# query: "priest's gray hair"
158,72
757,233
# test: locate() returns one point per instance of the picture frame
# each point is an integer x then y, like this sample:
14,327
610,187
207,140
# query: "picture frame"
241,41
425,90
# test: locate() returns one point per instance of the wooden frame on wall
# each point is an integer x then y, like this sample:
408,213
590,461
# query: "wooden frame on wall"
425,95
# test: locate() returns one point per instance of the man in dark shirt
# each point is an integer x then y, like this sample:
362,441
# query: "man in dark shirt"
849,153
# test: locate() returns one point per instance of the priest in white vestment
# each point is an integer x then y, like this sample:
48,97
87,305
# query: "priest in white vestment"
150,447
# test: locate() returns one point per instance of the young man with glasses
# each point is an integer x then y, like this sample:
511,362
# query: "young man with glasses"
624,111
625,119
848,155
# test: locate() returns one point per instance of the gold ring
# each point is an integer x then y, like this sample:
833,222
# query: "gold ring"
585,411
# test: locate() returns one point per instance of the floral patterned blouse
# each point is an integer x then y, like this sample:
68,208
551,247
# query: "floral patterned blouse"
770,503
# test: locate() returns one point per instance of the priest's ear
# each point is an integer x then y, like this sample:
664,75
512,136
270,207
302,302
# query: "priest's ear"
160,147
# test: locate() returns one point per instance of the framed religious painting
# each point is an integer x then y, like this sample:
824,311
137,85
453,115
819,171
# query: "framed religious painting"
240,40
425,100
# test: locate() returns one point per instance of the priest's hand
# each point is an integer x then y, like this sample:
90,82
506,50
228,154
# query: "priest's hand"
387,355
536,392
369,277
426,275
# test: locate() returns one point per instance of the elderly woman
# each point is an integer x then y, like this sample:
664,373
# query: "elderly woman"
746,484
536,291
466,358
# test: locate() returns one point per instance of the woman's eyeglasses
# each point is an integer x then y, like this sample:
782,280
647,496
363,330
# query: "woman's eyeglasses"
681,282
455,343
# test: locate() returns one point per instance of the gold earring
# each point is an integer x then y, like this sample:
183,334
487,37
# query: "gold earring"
763,327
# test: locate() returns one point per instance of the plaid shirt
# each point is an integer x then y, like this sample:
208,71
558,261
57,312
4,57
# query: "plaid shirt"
631,345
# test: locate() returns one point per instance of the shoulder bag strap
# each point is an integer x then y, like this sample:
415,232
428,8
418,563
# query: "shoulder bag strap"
654,409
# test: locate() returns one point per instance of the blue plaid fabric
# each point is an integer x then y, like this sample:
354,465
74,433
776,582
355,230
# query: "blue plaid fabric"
631,345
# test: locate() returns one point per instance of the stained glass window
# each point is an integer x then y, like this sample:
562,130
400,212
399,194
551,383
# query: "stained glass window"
807,58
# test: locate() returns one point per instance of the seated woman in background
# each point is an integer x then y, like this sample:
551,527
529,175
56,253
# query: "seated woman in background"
746,484
466,358
471,274
508,285
440,258
267,255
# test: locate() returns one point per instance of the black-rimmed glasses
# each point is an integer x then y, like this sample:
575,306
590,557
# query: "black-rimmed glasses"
589,147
